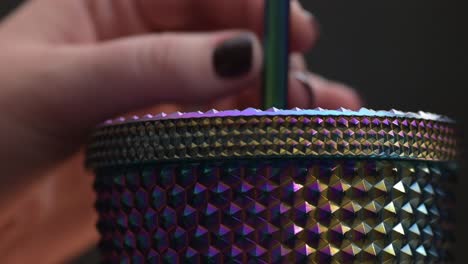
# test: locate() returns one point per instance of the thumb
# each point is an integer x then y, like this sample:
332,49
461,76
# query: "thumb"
123,75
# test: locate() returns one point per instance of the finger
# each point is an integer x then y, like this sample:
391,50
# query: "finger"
156,109
130,74
216,14
247,97
251,96
309,90
227,103
297,62
106,20
306,90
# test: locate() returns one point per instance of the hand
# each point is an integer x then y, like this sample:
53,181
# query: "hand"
67,65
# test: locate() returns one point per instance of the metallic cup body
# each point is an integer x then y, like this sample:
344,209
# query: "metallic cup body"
275,189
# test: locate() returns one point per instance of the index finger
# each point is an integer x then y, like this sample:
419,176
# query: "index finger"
202,15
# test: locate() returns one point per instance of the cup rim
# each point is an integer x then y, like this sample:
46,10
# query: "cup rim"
253,133
248,112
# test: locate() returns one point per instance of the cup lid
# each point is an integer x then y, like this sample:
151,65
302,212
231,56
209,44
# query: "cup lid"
253,133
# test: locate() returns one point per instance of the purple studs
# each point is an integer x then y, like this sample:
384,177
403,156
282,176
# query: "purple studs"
150,219
276,212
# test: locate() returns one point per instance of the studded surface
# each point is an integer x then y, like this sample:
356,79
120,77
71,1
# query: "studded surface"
270,136
277,211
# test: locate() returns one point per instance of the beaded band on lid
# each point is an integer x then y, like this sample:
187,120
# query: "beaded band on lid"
273,133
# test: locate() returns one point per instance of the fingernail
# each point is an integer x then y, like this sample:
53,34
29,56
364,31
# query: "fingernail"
234,57
314,28
313,20
306,12
304,79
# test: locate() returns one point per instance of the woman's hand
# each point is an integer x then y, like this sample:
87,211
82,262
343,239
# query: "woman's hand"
67,65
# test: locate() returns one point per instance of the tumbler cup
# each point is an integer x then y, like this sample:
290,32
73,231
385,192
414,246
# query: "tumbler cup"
276,186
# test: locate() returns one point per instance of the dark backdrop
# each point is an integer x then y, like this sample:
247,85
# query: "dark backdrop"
408,55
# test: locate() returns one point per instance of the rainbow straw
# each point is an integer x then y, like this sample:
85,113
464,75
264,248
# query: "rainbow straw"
276,48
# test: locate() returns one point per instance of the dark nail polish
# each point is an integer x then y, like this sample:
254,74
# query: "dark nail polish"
309,89
234,57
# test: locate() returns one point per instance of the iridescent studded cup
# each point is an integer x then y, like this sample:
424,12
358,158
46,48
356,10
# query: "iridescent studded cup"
276,186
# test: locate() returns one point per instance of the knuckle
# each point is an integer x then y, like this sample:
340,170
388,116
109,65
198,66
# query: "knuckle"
156,57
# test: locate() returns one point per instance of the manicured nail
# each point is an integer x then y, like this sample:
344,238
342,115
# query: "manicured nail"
234,57
304,79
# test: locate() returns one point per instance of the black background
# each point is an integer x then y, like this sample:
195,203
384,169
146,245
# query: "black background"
403,54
